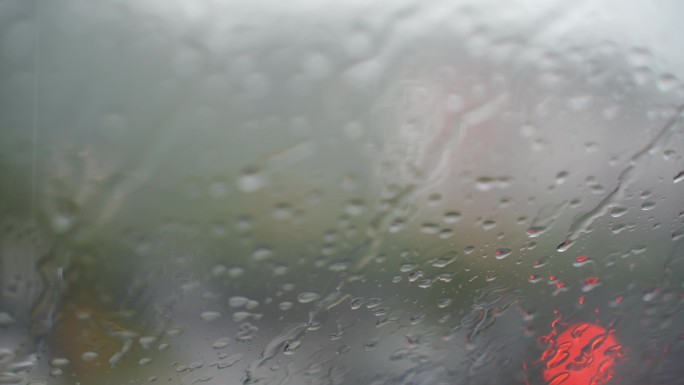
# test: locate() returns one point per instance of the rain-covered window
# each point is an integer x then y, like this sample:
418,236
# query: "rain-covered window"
341,192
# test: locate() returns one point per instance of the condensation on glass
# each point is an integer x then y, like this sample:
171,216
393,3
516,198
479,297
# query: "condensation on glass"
307,192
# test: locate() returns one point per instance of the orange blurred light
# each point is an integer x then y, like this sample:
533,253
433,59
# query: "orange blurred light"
584,354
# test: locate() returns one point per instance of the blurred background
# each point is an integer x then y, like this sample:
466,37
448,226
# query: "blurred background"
312,192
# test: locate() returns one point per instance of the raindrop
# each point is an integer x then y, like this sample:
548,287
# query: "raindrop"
229,360
5,319
246,332
218,270
541,262
502,253
617,212
343,349
679,177
355,207
651,295
598,189
445,260
590,283
251,180
337,335
443,302
414,276
283,211
581,261
62,222
561,177
6,355
429,228
371,344
380,311
397,225
357,303
291,347
667,82
210,316
488,224
373,302
313,325
59,362
307,297
416,318
638,249
564,245
434,199
406,267
235,272
21,366
446,233
338,266
241,316
244,224
451,217
237,301
534,278
484,183
147,341
591,146
648,205
262,253
288,286
15,378
221,343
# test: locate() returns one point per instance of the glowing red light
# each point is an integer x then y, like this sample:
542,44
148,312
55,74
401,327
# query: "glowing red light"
584,354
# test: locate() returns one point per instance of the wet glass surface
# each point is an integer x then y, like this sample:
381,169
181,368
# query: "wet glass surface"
261,192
